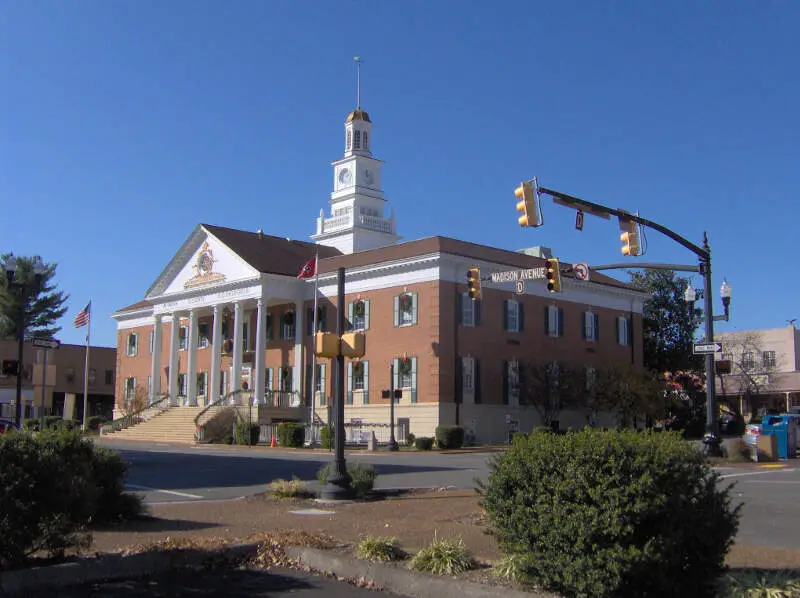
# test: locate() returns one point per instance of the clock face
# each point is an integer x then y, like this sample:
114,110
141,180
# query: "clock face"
368,176
345,177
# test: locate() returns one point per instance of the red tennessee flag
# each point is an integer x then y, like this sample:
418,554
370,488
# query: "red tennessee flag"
309,269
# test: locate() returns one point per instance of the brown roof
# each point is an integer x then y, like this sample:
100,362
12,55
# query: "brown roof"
268,254
465,249
138,305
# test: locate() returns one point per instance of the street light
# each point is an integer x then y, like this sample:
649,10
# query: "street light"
725,292
22,287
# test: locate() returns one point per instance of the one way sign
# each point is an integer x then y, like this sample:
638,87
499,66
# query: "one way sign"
706,348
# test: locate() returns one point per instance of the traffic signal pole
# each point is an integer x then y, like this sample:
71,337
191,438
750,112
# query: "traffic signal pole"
711,439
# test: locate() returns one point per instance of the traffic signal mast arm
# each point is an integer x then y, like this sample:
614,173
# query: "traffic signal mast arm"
605,212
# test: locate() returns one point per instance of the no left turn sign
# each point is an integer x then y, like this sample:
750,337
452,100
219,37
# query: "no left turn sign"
581,271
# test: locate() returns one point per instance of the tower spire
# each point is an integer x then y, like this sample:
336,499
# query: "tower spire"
358,61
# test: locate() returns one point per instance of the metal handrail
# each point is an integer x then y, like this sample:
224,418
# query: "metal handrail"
131,419
220,401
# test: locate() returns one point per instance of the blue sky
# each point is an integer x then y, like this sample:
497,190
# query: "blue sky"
126,123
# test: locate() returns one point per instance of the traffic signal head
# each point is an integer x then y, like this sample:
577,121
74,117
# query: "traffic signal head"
474,283
629,237
553,275
527,204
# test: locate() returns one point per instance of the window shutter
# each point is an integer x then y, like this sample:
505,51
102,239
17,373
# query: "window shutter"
414,368
505,381
477,380
350,383
505,314
596,327
396,373
585,324
414,308
619,330
459,380
366,381
366,314
350,316
560,321
547,320
396,314
520,316
477,307
521,383
460,308
152,339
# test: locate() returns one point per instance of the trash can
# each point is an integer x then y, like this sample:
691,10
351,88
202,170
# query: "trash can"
785,432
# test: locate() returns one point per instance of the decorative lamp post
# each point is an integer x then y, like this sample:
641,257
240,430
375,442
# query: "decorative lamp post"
725,292
22,287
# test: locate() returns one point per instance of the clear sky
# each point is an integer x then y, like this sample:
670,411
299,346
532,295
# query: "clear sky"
125,123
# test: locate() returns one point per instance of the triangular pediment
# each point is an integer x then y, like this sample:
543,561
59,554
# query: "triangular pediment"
203,261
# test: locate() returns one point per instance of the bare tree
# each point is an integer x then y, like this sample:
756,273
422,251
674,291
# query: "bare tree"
628,392
752,367
550,388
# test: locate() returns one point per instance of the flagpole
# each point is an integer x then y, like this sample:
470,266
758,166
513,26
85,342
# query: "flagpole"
314,353
86,369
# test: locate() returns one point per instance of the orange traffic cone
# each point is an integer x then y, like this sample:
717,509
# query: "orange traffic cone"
272,442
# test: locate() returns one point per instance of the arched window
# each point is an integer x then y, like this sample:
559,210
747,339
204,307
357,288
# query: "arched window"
357,144
349,139
366,140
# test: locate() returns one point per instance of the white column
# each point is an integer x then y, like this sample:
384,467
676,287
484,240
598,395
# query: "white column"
236,383
191,362
216,355
261,346
155,362
174,338
297,377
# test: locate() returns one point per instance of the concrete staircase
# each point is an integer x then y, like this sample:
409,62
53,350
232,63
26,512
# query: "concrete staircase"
172,425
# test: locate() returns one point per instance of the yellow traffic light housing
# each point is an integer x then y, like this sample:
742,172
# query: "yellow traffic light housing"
326,344
629,237
553,275
354,344
526,193
474,283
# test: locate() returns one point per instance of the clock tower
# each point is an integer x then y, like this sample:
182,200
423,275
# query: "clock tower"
357,221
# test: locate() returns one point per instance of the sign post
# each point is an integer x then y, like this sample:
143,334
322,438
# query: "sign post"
45,344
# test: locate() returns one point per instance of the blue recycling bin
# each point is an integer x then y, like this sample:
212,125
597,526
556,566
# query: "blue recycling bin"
784,428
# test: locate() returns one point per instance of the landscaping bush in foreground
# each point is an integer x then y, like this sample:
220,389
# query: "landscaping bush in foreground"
449,437
362,476
291,434
611,513
246,434
423,443
327,435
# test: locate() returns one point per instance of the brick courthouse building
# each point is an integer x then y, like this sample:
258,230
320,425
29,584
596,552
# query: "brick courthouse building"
229,312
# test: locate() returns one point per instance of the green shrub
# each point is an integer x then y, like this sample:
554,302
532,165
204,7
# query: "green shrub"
443,556
379,549
95,422
410,439
246,434
31,423
291,434
293,488
513,567
449,437
362,477
423,443
327,435
54,486
755,583
611,513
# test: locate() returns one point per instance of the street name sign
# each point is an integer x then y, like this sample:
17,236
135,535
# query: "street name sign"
518,275
706,348
46,343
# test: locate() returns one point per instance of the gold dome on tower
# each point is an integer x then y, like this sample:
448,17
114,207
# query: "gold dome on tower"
358,114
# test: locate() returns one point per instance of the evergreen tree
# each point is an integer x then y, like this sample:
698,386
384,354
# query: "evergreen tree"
669,328
43,304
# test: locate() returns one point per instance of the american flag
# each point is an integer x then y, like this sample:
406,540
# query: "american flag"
83,317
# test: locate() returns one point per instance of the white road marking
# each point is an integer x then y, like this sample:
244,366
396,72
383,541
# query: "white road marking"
148,489
762,472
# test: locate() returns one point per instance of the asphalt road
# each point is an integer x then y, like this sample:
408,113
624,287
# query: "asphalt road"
236,583
169,473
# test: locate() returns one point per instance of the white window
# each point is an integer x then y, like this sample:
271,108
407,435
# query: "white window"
405,309
268,379
366,140
358,375
349,139
405,375
182,381
130,388
287,325
623,330
553,323
132,345
468,374
512,384
319,379
183,338
203,334
245,336
590,326
202,379
468,309
747,360
768,359
513,319
152,341
357,144
358,314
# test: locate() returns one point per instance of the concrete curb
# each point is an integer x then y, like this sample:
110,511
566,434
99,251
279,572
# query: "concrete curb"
402,581
115,566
